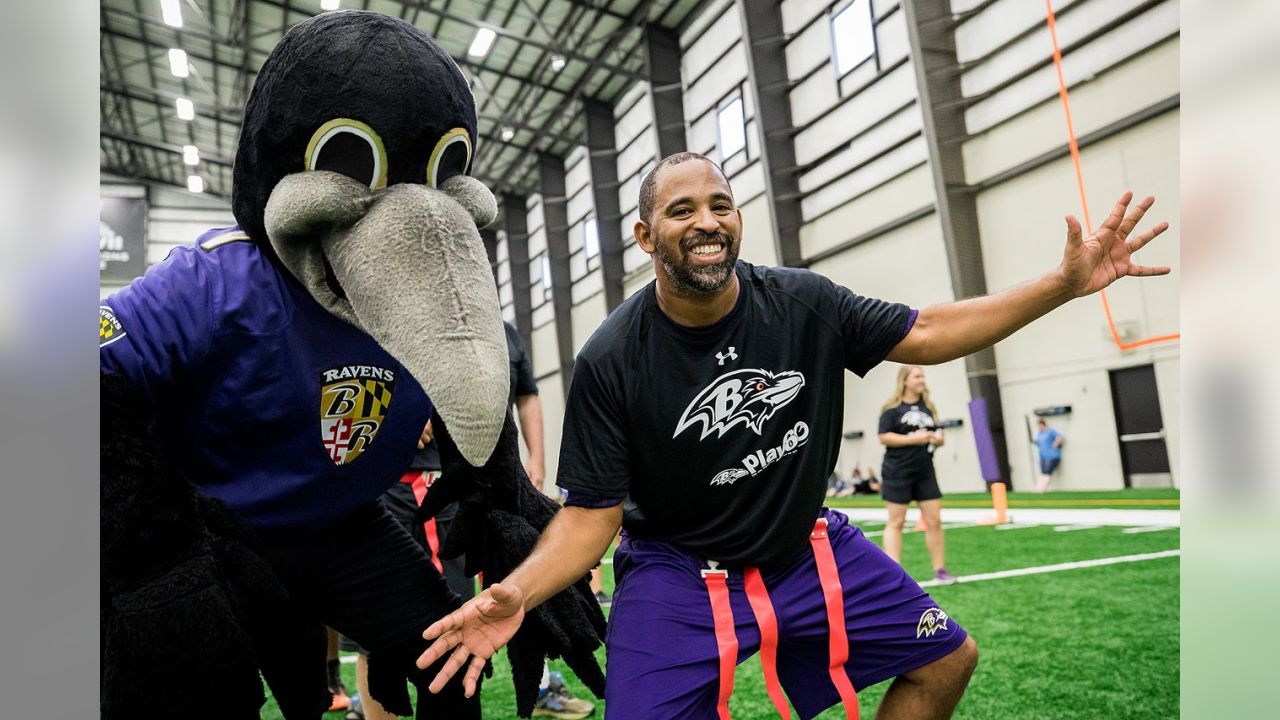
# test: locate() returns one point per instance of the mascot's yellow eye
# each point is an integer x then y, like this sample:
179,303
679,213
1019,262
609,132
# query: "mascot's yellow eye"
349,147
451,156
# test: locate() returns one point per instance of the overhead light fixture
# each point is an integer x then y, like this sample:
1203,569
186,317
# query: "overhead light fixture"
329,4
172,13
482,42
557,62
186,109
178,63
507,133
195,183
190,155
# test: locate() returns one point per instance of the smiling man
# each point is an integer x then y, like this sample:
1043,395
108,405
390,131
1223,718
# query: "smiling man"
704,418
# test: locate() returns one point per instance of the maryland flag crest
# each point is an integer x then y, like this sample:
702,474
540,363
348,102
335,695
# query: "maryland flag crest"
353,402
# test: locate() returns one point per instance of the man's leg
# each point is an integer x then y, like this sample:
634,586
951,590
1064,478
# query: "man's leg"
931,511
894,628
933,690
663,660
893,530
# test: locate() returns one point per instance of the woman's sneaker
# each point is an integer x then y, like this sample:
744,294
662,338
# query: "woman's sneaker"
943,577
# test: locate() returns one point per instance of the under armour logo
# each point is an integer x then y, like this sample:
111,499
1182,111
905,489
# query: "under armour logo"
731,355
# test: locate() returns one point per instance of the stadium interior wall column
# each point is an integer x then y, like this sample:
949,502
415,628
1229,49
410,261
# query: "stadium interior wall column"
516,222
603,153
666,90
489,237
555,220
767,75
931,32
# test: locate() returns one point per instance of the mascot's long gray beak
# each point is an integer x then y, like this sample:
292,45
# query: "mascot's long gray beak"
415,276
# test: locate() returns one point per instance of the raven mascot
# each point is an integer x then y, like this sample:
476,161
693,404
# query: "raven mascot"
262,387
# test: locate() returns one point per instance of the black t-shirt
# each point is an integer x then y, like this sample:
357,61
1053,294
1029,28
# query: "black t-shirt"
907,462
522,381
721,438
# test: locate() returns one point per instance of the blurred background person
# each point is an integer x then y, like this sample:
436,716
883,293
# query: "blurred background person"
1049,444
908,430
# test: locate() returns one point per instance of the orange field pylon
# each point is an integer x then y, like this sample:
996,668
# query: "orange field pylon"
999,503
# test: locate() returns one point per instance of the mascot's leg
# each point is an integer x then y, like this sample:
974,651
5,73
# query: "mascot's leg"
369,580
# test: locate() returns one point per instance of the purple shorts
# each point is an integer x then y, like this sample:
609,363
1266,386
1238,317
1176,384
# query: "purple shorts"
663,661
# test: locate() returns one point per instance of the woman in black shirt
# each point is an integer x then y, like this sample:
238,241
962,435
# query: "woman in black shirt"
909,431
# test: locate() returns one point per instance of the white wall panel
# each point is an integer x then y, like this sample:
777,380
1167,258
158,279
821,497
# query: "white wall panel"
704,94
700,49
884,204
1078,67
907,265
869,177
856,114
587,316
892,42
1120,91
901,125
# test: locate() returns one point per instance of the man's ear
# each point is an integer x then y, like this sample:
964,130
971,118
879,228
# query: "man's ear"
643,235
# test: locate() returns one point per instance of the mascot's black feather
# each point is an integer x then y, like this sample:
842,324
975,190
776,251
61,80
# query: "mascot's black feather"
499,519
190,611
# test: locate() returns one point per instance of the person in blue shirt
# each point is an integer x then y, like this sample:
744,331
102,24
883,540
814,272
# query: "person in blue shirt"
1049,444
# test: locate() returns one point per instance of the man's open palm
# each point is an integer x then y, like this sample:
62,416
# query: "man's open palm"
1091,264
476,630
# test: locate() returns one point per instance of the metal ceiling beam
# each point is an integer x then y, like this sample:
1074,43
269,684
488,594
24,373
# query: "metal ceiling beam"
932,38
762,34
165,99
637,13
211,158
500,31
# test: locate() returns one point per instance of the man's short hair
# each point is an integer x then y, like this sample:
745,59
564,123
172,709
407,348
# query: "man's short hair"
649,186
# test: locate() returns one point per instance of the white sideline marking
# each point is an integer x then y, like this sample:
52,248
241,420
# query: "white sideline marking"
909,530
1148,528
1038,516
1059,567
1016,526
1073,528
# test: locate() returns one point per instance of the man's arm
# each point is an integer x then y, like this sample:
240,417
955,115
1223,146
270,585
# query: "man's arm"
946,332
572,544
529,412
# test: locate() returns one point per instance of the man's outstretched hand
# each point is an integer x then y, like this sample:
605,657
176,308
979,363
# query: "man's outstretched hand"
476,630
1091,264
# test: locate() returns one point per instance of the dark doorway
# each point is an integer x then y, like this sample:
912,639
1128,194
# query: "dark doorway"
1140,427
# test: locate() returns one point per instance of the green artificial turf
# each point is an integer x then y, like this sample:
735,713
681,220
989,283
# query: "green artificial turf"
1082,643
1132,499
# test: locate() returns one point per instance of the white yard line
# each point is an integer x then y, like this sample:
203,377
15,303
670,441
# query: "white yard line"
1073,528
908,531
1148,528
1058,567
1016,526
1033,516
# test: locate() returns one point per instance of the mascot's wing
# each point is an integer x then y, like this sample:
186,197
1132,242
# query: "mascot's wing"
189,610
500,518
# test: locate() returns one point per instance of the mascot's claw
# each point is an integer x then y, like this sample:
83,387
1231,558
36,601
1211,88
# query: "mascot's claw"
499,520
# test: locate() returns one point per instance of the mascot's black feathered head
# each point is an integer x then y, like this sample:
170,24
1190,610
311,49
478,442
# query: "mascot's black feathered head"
352,171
